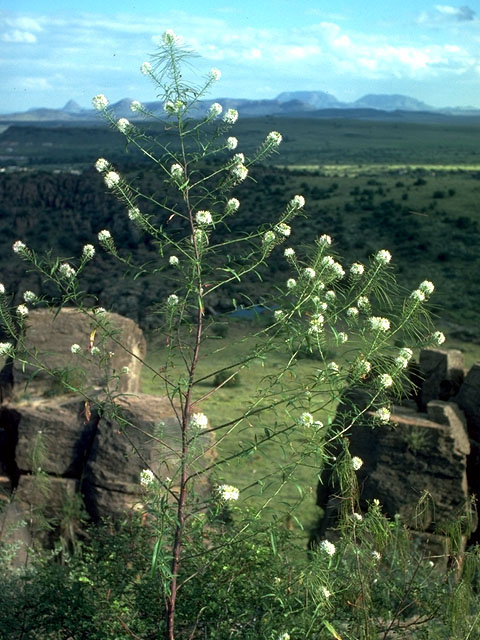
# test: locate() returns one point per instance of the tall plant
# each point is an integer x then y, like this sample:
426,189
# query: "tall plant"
359,311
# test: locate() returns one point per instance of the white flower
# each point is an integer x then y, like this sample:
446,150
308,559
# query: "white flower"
125,370
383,414
173,261
278,314
297,202
19,247
352,312
291,283
75,348
215,110
239,172
333,367
438,337
342,337
274,138
289,252
406,353
22,311
99,311
95,351
199,421
338,270
326,592
88,252
172,300
305,419
176,171
327,262
401,362
204,218
228,493
330,295
283,229
379,324
2,289
427,287
104,236
418,296
135,105
268,237
215,74
357,516
170,37
146,477
232,205
363,367
357,269
101,165
328,547
29,296
146,68
6,348
123,125
324,240
238,158
356,463
383,256
100,102
232,143
309,273
230,116
111,179
363,303
385,380
376,556
66,271
134,213
284,636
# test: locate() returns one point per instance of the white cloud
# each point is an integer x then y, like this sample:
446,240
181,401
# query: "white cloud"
19,36
458,13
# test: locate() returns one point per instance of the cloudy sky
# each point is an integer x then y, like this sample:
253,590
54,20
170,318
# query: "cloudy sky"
53,51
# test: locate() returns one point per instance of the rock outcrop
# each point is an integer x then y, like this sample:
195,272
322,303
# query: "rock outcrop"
429,447
61,455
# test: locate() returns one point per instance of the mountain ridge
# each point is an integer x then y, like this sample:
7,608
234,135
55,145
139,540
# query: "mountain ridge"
291,103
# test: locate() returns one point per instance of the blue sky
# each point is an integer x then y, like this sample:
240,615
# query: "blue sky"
52,51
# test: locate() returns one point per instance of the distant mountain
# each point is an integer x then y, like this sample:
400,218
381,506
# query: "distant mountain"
288,103
395,102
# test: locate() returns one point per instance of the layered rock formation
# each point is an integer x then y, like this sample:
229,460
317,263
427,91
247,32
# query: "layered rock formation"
429,447
61,455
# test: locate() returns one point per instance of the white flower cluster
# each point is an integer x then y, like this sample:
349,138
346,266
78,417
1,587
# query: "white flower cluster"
327,547
124,125
379,324
146,477
438,338
230,116
330,295
232,205
291,283
19,247
284,636
297,202
29,296
357,269
403,358
305,419
100,102
66,271
283,229
289,253
176,171
135,105
173,261
228,493
309,273
134,214
101,165
342,337
316,324
232,143
279,315
6,348
324,241
383,414
22,311
363,303
204,218
88,252
333,367
383,256
172,300
199,421
274,138
75,348
111,179
169,37
2,289
239,172
269,238
357,463
329,263
215,110
385,380
363,367
104,236
352,312
215,74
146,68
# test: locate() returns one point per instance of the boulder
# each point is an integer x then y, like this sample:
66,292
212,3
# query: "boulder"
46,349
442,371
141,432
468,399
